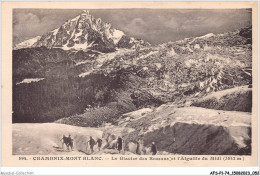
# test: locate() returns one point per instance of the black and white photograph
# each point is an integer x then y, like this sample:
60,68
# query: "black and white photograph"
132,82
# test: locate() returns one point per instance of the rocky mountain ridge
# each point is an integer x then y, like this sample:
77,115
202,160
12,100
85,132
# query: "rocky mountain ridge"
81,33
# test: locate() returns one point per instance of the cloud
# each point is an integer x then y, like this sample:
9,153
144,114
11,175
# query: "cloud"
27,25
137,26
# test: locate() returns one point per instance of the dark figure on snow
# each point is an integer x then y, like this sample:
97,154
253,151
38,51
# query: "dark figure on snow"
119,144
70,141
91,144
137,151
63,139
99,142
153,149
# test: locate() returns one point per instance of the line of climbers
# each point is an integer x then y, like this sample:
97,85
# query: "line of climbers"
68,141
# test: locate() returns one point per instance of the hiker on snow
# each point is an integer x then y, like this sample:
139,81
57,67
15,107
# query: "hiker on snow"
63,140
99,142
153,149
91,143
119,144
70,140
138,151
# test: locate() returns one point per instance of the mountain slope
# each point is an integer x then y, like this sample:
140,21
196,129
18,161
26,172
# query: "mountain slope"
81,33
235,99
128,79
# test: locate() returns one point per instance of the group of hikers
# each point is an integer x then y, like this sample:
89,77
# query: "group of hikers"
92,143
153,148
68,141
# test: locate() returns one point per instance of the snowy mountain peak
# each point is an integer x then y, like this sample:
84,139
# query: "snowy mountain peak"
85,12
82,32
27,43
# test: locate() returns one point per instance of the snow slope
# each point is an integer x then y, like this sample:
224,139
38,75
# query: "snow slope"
28,43
30,80
44,139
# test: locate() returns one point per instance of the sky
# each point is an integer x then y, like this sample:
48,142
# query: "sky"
153,25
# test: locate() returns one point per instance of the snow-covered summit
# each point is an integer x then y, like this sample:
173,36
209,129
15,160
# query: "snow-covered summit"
82,32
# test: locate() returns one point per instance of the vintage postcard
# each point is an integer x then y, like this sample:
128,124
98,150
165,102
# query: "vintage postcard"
129,84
